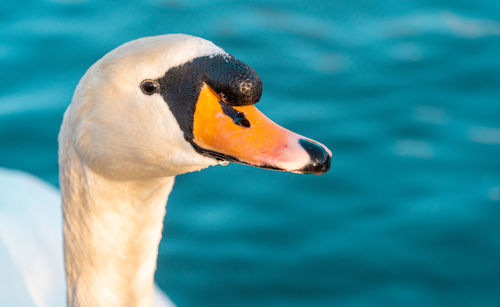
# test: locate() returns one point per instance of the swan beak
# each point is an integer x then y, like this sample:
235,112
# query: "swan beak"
245,135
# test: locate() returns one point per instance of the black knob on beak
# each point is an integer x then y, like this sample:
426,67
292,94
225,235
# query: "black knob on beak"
319,158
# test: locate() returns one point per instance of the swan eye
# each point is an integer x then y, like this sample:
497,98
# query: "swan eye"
149,87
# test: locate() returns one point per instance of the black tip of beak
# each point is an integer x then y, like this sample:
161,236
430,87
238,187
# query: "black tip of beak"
319,158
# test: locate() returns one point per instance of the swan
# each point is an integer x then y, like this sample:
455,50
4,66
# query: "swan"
149,110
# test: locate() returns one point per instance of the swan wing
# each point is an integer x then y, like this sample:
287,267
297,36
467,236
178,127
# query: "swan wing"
13,290
31,254
31,232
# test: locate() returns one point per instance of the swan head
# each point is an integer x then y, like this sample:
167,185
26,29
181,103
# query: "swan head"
170,104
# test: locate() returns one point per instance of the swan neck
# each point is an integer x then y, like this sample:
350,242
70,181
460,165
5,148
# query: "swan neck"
112,230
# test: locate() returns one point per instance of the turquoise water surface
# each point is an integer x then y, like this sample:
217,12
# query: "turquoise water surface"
405,93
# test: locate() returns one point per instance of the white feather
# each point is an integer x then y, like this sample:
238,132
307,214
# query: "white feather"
31,254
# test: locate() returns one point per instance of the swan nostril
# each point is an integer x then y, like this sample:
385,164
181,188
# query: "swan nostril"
243,122
237,117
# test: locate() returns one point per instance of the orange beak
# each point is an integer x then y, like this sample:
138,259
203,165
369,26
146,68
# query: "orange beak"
245,135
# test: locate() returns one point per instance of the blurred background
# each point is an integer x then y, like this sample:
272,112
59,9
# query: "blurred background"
405,93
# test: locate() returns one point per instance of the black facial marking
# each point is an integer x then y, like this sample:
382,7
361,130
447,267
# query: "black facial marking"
235,82
237,117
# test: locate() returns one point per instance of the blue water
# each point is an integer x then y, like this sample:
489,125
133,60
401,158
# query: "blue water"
406,94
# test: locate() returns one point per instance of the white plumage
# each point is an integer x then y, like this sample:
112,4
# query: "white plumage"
31,254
